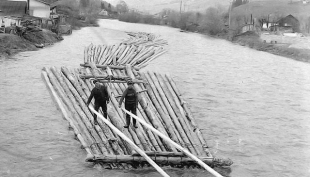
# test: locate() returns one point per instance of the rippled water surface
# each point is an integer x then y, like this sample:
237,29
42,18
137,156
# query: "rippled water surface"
253,107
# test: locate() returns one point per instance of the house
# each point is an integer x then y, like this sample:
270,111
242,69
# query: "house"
11,12
247,27
103,12
38,8
289,24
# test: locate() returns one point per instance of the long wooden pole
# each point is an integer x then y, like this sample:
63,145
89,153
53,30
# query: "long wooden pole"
168,160
161,171
201,163
66,113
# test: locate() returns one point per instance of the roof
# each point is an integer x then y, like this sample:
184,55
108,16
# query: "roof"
287,17
44,2
13,8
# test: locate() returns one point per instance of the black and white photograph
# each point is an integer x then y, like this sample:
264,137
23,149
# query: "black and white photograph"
157,88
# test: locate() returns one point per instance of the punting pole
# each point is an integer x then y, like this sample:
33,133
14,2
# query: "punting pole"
119,133
201,163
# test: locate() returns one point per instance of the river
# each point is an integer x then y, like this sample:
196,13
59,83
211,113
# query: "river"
252,106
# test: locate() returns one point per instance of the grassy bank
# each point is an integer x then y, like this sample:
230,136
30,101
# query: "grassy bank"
252,40
11,44
212,24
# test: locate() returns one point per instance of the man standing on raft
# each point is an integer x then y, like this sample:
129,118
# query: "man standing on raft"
101,95
131,103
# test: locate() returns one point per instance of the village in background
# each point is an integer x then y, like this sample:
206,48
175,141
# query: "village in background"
252,23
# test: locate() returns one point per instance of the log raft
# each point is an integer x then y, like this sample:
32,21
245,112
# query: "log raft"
161,105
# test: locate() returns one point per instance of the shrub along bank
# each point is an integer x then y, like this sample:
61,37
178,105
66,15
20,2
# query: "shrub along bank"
212,23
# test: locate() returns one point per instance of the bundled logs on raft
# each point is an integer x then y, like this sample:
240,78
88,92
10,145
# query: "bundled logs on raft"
138,51
160,104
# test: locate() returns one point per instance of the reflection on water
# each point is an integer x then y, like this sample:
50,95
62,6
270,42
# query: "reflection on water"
251,105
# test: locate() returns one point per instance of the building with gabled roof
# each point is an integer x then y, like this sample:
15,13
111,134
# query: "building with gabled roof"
39,8
11,12
13,8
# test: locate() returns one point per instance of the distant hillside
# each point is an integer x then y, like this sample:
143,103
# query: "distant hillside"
155,6
275,7
50,1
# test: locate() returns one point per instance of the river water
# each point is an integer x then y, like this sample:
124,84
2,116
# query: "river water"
252,107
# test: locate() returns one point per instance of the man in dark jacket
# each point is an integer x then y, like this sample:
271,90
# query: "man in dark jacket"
131,103
101,95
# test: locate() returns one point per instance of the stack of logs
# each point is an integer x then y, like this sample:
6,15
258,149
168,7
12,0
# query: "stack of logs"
138,50
160,104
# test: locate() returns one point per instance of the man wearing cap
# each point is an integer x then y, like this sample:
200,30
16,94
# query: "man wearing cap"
100,93
131,103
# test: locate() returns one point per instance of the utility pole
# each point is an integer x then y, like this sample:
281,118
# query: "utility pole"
229,14
181,8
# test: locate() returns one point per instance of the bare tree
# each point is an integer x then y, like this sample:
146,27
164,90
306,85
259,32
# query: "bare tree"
122,7
212,23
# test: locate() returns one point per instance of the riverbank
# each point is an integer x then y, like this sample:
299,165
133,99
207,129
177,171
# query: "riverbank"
213,29
11,44
253,40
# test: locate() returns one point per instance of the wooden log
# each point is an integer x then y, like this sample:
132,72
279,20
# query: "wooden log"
108,140
189,115
132,56
125,147
103,48
105,66
146,62
74,97
110,56
103,57
158,159
89,52
81,98
135,135
116,120
117,96
145,106
129,55
162,145
173,115
66,114
113,54
139,132
164,115
132,144
141,54
174,102
159,153
201,163
122,49
120,121
160,106
94,53
144,57
75,116
87,90
105,129
154,141
128,47
99,48
85,54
